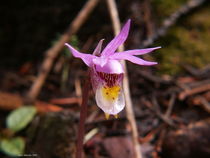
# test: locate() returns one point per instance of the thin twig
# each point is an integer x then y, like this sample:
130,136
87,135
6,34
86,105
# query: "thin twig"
198,83
193,91
148,76
205,104
129,109
147,18
170,106
158,112
172,19
66,101
53,52
83,115
9,101
78,88
198,73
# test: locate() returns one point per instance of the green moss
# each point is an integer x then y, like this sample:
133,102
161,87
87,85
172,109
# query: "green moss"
164,8
186,43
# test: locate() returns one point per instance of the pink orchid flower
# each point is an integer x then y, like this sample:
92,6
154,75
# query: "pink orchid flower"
107,71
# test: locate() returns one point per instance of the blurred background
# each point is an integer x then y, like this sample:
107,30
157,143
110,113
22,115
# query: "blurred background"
170,100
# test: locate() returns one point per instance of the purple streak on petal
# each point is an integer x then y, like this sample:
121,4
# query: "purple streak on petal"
139,51
95,79
87,58
133,59
117,41
97,50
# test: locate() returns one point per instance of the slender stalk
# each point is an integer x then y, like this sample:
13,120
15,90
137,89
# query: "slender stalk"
129,108
83,115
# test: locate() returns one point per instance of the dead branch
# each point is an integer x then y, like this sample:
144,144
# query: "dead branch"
147,18
153,78
129,109
198,73
53,52
63,101
201,100
158,112
205,104
170,106
193,91
195,100
172,19
198,83
78,87
10,101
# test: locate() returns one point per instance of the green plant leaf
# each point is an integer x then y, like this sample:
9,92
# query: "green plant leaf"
20,118
13,146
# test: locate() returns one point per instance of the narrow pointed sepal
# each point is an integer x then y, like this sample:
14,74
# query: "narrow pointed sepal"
117,41
97,50
87,58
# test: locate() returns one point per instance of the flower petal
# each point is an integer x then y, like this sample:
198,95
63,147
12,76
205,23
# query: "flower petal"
101,61
111,67
87,58
97,50
111,100
117,41
139,51
133,59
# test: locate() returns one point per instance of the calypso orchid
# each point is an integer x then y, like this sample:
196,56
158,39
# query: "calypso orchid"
107,71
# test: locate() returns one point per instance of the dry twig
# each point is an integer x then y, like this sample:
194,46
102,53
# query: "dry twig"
148,76
9,101
63,101
158,112
78,88
198,73
205,104
53,52
170,106
172,19
202,100
129,109
193,91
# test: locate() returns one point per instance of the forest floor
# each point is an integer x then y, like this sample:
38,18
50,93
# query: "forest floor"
170,101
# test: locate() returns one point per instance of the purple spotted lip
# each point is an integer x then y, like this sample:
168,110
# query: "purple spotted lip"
107,71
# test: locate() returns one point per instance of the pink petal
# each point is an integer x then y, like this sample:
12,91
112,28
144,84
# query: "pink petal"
111,67
100,61
117,41
87,58
133,59
139,51
97,50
